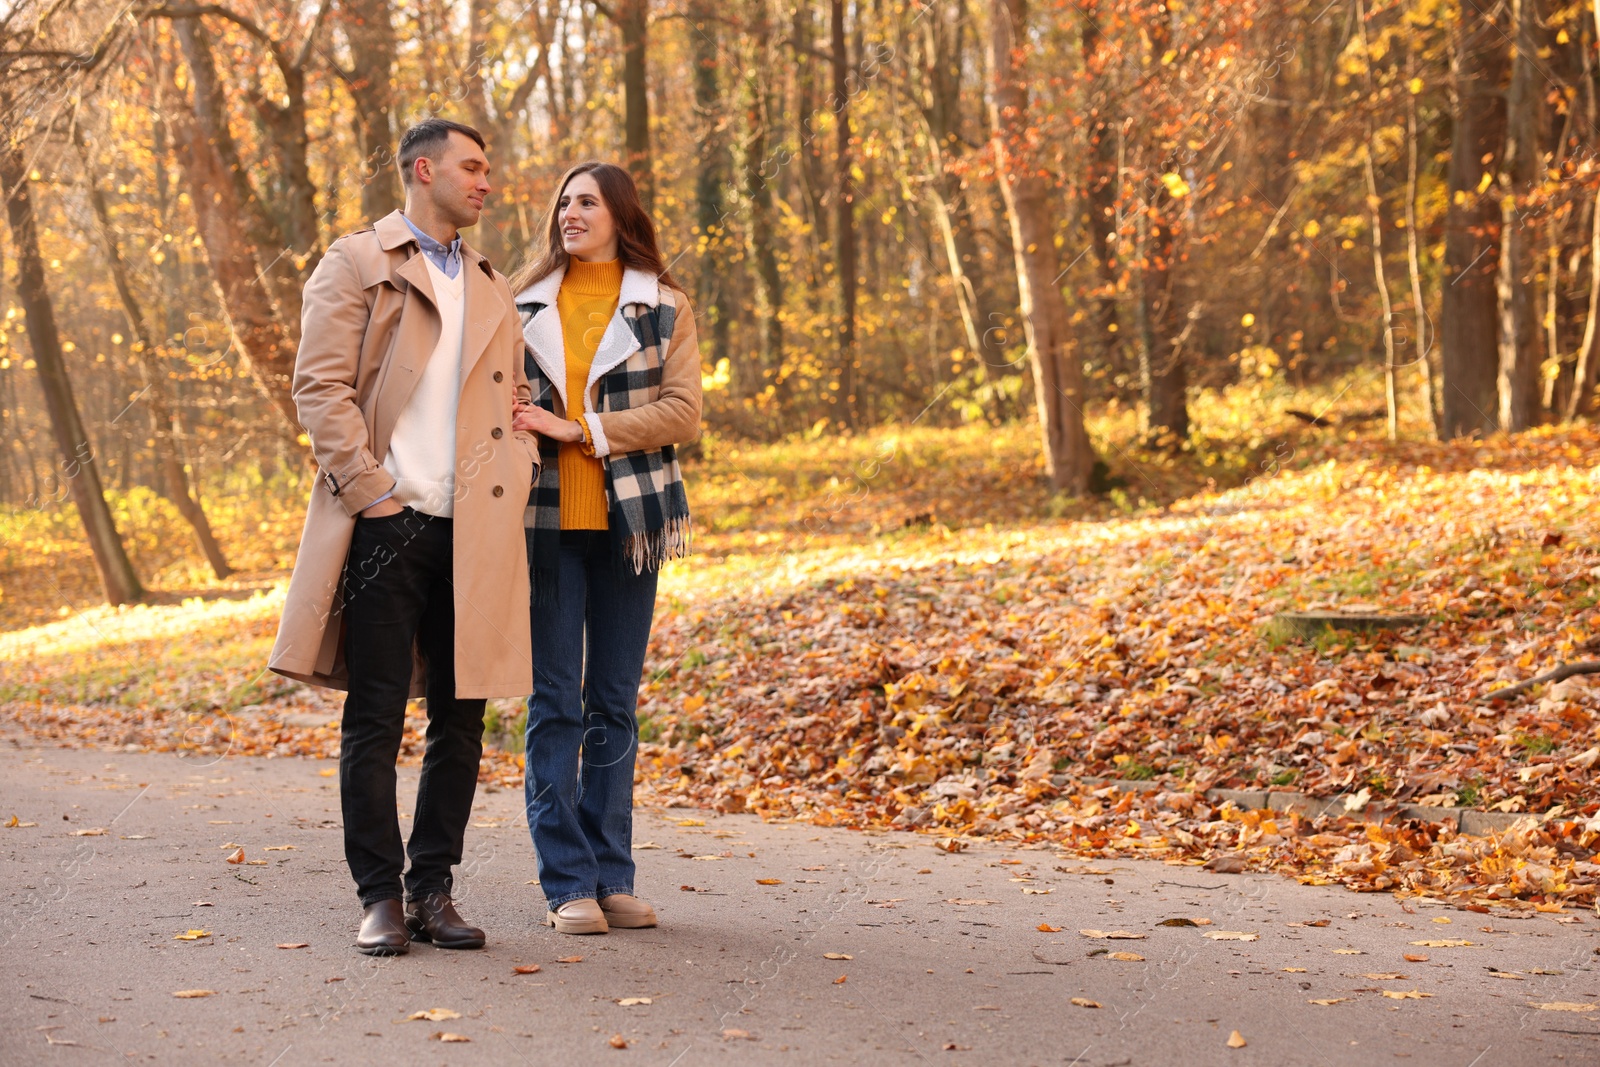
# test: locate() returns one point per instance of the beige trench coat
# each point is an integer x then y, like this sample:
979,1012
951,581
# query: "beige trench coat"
369,327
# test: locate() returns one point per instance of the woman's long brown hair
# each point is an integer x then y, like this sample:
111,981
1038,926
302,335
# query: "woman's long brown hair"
636,233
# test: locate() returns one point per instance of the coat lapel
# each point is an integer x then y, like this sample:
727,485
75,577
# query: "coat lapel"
482,311
640,292
416,336
543,331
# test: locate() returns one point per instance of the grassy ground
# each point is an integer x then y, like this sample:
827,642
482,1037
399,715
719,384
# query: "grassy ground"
909,626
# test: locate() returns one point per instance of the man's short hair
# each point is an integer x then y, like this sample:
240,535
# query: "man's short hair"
426,138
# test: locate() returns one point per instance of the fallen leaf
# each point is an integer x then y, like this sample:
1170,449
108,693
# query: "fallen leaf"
691,822
1295,970
1114,935
444,1035
1126,957
527,968
435,1015
201,904
190,994
98,831
237,857
769,881
1037,892
818,867
643,845
949,844
1177,922
1380,977
1227,864
1085,1002
1046,928
191,935
570,959
841,979
1442,919
693,889
1232,935
1443,944
1236,1040
630,1002
1349,952
295,944
837,956
1563,1005
734,1035
963,900
1395,994
328,772
618,1041
1414,957
279,848
1329,1000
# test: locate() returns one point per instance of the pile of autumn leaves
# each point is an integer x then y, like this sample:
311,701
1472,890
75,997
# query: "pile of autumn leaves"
967,683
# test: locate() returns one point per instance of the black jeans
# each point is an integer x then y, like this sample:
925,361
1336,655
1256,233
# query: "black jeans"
398,595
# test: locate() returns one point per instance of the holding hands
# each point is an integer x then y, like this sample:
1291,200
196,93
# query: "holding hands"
536,419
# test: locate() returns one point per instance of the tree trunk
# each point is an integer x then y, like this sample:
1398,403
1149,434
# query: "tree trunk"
634,19
174,478
711,181
1470,357
1423,339
266,346
117,577
844,215
1517,381
269,245
368,28
1584,376
1057,373
761,106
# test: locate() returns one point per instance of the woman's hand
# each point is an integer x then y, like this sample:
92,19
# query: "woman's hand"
536,419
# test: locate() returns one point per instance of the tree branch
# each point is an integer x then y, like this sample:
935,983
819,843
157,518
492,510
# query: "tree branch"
1566,670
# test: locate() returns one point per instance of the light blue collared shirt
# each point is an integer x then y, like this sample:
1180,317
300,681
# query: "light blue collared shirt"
446,257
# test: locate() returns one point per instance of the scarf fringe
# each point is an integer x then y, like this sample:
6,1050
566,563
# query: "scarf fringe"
652,548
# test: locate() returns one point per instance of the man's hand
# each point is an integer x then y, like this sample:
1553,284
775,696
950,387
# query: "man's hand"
383,508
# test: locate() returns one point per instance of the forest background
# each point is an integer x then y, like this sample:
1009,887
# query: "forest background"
999,297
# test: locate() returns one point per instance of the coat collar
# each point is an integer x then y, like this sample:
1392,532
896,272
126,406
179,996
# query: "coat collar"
543,334
638,287
393,233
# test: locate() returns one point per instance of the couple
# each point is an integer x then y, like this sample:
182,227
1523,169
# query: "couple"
474,438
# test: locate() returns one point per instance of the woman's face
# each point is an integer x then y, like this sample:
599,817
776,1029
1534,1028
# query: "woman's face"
588,231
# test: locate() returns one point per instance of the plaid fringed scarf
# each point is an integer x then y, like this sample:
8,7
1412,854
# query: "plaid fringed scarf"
647,507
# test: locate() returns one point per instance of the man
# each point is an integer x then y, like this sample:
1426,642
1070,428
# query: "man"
412,574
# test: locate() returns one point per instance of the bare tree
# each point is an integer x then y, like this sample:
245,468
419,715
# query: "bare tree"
78,460
1470,358
1057,372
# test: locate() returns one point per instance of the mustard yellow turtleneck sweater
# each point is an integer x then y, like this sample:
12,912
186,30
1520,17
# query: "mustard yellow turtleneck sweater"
586,302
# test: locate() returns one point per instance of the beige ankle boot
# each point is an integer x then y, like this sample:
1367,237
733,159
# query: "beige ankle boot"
581,916
627,912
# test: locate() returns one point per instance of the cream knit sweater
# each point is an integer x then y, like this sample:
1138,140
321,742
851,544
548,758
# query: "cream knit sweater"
422,450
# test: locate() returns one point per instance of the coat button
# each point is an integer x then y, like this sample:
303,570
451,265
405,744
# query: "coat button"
497,433
499,491
499,377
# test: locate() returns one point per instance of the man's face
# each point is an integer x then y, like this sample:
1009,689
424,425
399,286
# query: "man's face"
458,180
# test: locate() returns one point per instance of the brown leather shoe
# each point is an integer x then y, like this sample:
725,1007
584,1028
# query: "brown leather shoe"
434,918
383,930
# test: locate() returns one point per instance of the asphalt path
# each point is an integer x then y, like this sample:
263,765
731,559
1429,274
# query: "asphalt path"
779,943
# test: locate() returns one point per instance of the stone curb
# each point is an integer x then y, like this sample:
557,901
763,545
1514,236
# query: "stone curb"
1467,820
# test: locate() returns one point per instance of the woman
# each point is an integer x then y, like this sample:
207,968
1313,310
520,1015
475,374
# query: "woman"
614,366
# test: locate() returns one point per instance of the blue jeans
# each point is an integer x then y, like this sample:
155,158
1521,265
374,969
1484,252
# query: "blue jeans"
588,654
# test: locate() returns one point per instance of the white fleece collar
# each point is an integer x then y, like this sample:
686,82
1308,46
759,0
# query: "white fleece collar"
638,287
